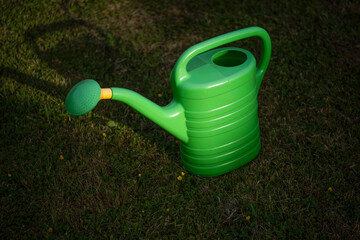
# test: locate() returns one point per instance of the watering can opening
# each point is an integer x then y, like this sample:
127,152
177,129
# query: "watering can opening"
229,58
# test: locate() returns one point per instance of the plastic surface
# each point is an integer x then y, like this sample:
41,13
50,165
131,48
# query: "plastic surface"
170,117
180,73
218,91
214,110
83,97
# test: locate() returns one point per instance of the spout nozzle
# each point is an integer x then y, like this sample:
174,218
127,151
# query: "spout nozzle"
83,97
106,93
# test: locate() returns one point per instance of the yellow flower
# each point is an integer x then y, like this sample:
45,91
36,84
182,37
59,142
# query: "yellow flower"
168,209
139,174
247,218
104,134
61,157
179,178
9,174
131,114
134,181
142,211
159,95
182,173
330,189
50,229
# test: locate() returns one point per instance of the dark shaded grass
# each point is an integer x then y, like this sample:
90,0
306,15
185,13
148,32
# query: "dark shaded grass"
308,110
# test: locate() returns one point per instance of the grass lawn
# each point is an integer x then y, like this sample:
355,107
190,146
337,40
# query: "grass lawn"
113,174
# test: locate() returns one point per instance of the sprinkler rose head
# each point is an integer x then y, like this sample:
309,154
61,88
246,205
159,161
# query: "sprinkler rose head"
83,97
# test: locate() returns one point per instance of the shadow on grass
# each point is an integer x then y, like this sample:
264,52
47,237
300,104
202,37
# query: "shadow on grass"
88,55
31,81
86,51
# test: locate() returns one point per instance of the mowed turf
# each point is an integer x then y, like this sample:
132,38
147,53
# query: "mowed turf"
114,174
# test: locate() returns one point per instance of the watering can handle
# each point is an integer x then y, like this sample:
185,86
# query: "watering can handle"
180,69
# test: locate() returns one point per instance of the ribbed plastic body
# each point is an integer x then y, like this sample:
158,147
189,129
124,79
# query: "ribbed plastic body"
220,103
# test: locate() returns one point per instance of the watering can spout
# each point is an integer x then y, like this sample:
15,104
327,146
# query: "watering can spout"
170,117
85,95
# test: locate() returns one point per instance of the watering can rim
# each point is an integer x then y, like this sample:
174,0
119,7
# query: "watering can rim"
238,70
180,74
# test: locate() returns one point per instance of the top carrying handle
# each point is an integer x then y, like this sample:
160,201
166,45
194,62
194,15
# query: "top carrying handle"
180,68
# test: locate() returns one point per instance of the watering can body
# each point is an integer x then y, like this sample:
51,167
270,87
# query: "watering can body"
220,107
214,112
218,91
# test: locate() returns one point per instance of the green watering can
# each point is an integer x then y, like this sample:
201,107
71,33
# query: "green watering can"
214,109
